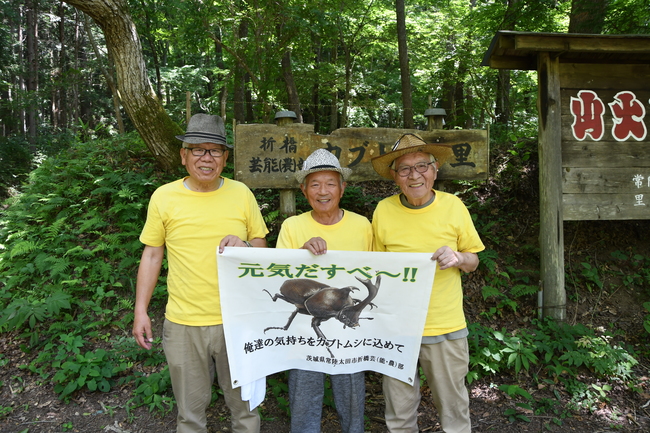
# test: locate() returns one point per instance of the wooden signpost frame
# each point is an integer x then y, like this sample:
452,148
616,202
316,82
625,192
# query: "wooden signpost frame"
581,178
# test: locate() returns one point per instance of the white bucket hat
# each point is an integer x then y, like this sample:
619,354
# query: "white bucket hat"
322,160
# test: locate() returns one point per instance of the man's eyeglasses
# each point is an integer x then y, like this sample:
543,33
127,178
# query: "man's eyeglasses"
420,167
199,151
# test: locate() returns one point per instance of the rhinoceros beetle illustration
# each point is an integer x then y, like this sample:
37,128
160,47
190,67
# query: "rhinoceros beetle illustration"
323,302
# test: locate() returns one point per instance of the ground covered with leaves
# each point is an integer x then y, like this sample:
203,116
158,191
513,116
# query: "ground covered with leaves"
71,365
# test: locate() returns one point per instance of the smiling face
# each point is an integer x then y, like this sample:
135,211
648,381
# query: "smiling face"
204,170
323,191
416,187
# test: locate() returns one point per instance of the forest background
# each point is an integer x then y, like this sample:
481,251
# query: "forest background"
90,105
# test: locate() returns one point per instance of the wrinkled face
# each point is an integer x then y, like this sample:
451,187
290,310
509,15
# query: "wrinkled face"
204,170
416,186
323,190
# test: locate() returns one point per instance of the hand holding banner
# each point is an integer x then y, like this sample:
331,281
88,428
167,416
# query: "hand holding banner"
342,312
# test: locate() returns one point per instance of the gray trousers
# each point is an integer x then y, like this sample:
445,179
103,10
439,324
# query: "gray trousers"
306,392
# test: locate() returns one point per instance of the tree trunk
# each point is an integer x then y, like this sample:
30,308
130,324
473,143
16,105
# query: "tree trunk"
239,93
292,91
348,88
334,111
107,75
32,68
587,16
407,101
502,110
140,101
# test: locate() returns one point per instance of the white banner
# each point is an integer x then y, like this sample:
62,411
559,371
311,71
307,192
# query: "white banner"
342,312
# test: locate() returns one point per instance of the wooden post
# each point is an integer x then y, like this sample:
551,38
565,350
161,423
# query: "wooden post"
551,234
287,196
435,118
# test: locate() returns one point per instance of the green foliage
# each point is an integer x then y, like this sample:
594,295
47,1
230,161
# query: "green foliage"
16,162
562,351
69,253
153,391
503,286
92,370
70,242
280,390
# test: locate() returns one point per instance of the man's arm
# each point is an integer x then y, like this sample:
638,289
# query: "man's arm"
235,241
448,258
148,273
258,242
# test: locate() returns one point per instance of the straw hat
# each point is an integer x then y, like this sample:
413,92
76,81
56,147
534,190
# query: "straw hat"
321,160
205,128
409,143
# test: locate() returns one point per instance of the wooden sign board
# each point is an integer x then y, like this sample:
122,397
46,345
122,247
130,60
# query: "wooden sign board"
268,156
605,141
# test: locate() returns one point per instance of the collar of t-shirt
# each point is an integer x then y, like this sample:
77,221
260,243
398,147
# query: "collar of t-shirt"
405,202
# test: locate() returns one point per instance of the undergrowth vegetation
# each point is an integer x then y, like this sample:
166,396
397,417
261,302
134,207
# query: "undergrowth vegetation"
69,252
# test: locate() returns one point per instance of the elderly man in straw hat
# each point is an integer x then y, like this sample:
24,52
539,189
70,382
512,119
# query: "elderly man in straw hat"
191,218
327,226
421,219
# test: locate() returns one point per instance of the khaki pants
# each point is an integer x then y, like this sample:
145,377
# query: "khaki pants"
445,366
194,354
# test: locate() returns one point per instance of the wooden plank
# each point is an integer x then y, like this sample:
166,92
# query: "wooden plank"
578,207
584,43
610,76
268,156
615,96
527,63
551,233
606,180
611,154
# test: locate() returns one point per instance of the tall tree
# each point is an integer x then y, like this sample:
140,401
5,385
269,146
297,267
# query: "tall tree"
32,67
588,16
405,73
290,83
502,108
140,101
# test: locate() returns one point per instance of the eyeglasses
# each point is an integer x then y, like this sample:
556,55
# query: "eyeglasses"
199,151
420,167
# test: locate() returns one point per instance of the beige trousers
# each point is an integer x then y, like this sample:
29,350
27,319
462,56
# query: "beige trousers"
194,355
445,366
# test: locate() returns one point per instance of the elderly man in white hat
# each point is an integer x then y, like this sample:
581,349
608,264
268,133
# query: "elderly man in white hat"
422,219
327,226
191,218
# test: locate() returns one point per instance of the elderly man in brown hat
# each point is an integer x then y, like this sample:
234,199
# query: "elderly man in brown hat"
422,219
327,226
191,218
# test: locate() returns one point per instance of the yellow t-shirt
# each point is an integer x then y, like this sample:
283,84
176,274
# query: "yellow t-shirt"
352,233
445,222
190,225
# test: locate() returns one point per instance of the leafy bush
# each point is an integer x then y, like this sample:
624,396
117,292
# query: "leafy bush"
16,162
69,252
563,351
